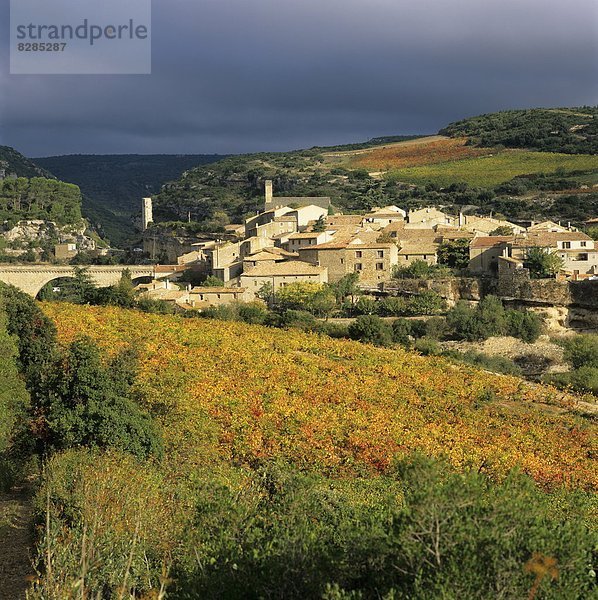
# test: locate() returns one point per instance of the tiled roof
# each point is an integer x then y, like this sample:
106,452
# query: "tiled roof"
289,267
550,238
484,241
217,290
422,247
306,235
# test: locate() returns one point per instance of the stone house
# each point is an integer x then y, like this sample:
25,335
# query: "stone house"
426,218
203,297
271,201
578,250
296,241
484,252
267,256
485,225
381,217
425,249
281,274
224,260
374,261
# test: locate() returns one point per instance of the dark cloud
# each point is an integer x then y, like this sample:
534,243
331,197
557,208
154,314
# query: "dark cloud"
244,75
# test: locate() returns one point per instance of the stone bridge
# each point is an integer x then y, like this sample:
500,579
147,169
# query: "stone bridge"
32,278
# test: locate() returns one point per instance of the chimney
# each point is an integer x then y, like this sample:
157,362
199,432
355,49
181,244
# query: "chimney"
461,220
269,193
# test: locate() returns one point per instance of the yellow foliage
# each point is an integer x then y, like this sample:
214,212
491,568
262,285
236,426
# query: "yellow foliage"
233,391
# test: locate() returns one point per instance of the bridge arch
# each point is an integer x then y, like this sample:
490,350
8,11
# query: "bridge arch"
32,278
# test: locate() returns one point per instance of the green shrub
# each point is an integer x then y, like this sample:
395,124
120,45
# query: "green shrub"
402,331
427,346
426,303
14,399
296,318
88,403
253,313
366,305
496,364
473,324
371,329
582,351
392,307
526,326
584,379
35,333
424,533
437,328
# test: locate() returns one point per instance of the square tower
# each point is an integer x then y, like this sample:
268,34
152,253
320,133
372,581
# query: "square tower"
146,213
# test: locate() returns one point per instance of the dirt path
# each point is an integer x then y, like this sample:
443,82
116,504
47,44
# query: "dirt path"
16,513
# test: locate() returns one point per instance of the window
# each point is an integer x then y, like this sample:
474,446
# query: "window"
582,244
358,254
380,253
358,266
342,261
566,245
379,266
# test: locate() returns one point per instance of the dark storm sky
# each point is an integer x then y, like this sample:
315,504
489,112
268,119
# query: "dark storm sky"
249,75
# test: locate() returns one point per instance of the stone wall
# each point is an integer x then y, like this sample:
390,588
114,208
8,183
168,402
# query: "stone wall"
451,289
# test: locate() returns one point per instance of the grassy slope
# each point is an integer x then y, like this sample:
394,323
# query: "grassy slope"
230,391
488,171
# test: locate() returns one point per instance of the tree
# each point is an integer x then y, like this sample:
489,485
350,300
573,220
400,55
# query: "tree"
14,399
502,230
582,351
427,302
371,329
88,403
80,289
320,224
266,293
473,324
526,326
454,254
346,286
212,281
543,263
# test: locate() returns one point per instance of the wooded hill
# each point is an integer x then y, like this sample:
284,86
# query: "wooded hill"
495,163
113,185
566,130
14,162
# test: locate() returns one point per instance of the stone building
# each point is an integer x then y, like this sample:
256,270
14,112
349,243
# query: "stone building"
484,252
374,261
281,274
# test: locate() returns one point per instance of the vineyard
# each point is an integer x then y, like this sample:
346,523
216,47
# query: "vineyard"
404,155
496,168
232,391
293,466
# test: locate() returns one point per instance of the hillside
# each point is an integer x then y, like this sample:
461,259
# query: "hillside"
113,185
480,173
567,130
295,467
14,162
333,405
